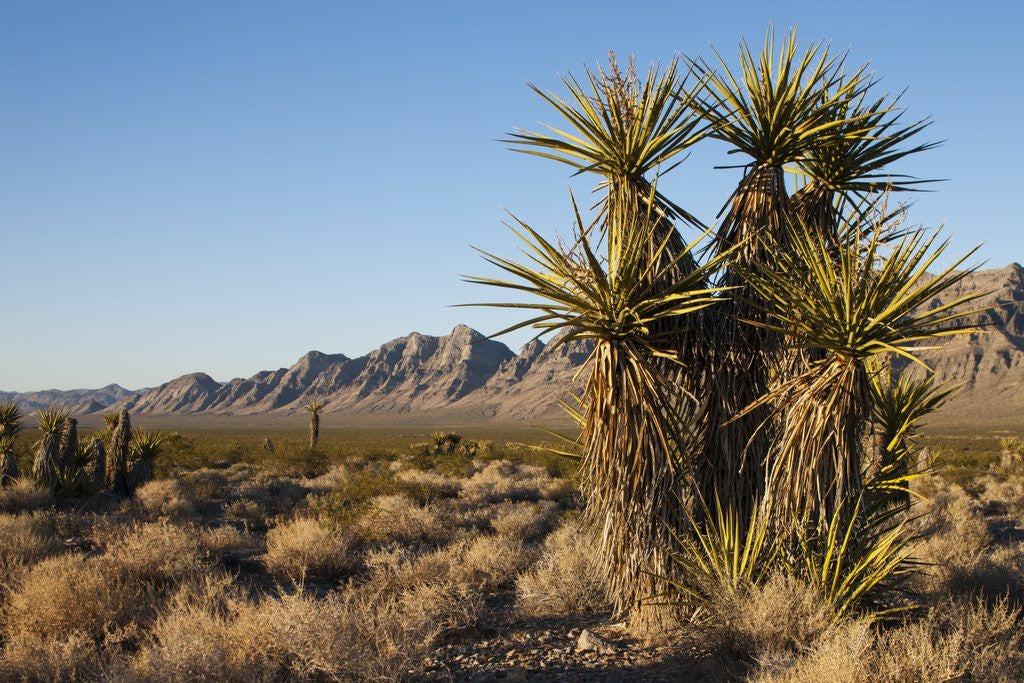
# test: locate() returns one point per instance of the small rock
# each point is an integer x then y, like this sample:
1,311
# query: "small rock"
588,642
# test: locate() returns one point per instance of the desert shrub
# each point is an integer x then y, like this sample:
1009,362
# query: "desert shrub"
955,537
307,547
962,641
500,480
527,521
399,518
24,540
566,579
69,594
155,553
354,634
246,511
775,619
24,496
275,495
227,542
205,485
490,563
165,497
431,484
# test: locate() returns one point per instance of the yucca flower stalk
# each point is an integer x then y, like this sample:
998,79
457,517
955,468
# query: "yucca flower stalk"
634,452
856,303
145,448
313,408
116,478
10,426
46,466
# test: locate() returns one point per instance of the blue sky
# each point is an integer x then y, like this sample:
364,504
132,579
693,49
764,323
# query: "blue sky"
223,186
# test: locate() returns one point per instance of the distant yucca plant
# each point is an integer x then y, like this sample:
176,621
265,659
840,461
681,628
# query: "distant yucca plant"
47,463
10,426
116,478
145,448
313,408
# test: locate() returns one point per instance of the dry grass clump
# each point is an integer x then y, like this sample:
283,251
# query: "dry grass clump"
773,620
24,495
566,579
353,634
274,495
478,564
955,537
227,542
307,547
526,521
24,540
436,484
399,518
248,512
156,553
500,480
68,604
165,497
964,640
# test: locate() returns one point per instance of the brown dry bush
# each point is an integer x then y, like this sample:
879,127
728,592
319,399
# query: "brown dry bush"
965,640
526,521
500,480
399,518
165,497
566,579
309,547
227,542
156,553
353,634
24,496
24,540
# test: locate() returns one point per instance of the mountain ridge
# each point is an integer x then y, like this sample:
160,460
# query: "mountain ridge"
468,376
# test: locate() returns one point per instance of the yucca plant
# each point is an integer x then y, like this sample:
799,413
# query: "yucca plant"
856,562
68,445
10,426
782,104
765,396
97,466
145,448
633,451
46,464
855,303
314,407
116,475
720,552
898,404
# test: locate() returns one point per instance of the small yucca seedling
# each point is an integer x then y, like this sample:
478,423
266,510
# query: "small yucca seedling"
145,448
313,408
46,465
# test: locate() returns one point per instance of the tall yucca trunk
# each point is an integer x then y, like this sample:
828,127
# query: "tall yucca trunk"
98,465
117,459
314,430
8,468
630,470
742,360
68,445
815,468
45,467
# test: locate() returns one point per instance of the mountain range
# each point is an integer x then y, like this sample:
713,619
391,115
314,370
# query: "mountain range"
465,376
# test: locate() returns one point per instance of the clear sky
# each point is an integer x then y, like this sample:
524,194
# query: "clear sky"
223,186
